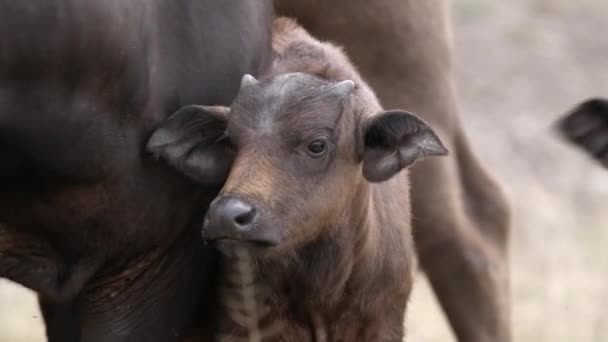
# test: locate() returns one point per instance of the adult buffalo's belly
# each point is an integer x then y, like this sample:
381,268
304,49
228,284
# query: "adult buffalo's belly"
107,237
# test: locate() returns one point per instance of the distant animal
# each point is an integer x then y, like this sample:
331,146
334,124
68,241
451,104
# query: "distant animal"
586,126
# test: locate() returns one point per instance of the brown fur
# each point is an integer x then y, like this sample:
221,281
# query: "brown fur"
461,218
343,270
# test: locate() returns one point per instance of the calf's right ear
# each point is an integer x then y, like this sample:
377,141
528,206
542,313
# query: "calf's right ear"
194,141
395,139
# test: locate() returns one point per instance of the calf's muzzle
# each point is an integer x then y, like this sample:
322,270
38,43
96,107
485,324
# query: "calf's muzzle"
232,218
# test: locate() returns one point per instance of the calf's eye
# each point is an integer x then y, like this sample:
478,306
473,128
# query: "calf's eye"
317,148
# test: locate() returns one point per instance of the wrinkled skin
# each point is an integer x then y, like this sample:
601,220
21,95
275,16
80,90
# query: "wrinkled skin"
586,126
110,239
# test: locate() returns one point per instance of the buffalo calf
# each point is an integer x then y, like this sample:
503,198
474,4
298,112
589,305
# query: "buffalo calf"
314,217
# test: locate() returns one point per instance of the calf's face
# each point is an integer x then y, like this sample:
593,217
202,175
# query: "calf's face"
301,149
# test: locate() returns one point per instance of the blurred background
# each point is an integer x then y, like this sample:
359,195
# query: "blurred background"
520,64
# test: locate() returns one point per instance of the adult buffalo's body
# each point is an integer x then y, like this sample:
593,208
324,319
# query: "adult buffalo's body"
110,240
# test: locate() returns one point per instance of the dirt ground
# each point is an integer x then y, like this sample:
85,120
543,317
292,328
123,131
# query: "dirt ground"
519,64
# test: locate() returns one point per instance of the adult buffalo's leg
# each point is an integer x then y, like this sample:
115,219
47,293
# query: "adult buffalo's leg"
461,234
62,321
149,298
402,47
32,262
145,297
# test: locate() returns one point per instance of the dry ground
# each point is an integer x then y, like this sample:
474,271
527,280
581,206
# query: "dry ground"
519,64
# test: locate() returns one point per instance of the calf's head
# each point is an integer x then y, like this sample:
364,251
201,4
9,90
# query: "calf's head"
304,148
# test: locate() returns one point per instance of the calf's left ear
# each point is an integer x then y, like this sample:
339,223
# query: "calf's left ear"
194,142
394,140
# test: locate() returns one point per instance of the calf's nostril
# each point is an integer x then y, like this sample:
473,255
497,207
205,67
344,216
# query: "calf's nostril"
234,214
246,218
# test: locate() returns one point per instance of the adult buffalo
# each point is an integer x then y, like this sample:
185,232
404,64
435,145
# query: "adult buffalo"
110,240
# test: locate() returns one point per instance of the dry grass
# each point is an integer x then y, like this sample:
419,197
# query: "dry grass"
519,65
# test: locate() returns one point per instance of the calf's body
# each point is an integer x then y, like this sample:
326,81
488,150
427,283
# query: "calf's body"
314,218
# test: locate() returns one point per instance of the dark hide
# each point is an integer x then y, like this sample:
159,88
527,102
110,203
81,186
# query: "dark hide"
108,238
